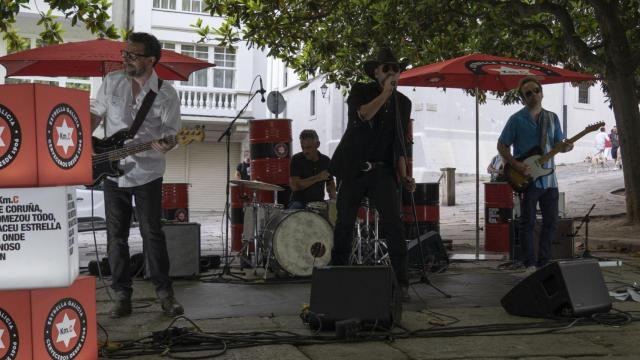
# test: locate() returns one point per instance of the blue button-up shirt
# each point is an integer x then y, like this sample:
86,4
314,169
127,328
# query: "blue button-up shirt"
524,133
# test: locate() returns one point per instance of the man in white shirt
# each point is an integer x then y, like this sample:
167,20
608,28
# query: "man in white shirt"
117,103
601,139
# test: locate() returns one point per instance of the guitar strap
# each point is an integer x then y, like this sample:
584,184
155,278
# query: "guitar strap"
142,112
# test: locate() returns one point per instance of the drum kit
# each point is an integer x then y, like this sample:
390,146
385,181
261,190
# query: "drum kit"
291,240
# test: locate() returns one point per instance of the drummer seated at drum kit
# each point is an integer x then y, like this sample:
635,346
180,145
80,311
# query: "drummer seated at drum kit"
309,175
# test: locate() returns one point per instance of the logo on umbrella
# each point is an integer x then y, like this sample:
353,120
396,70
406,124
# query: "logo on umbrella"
486,67
65,330
9,340
10,137
64,136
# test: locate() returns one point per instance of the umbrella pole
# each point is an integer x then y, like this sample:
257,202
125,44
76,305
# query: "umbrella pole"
477,178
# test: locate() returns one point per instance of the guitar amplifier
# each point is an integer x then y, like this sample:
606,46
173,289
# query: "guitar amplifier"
562,244
183,246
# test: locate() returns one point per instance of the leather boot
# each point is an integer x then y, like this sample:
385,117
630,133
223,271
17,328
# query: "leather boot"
120,308
171,307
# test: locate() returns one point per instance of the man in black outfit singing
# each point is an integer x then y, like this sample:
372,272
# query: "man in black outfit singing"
370,160
309,173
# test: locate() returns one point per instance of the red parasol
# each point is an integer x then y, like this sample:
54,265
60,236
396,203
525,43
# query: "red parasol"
92,58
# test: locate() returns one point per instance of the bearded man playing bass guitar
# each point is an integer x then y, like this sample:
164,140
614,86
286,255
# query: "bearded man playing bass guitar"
527,129
136,100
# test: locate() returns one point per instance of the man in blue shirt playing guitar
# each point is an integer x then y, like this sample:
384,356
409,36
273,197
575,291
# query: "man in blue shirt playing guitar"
535,135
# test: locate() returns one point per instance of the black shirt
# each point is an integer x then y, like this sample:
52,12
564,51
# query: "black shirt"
303,168
373,140
243,169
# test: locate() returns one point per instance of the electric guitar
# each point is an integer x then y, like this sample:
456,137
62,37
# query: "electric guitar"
108,152
535,160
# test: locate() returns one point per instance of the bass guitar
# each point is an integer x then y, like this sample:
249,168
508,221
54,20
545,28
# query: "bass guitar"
535,160
108,152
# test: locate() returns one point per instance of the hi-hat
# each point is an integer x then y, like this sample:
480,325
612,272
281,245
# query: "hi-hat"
257,185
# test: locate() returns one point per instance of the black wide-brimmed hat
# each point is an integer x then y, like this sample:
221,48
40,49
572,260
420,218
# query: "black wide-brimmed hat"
385,56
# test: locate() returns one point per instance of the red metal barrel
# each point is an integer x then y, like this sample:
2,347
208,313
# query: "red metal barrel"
427,197
175,202
498,200
270,144
241,195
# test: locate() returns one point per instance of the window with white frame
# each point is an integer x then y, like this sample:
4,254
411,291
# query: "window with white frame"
225,70
198,78
583,94
164,4
192,5
312,103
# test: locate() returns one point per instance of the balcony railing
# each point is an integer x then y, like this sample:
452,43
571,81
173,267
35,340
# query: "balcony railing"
205,101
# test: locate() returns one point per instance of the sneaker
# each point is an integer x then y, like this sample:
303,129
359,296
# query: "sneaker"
120,308
171,307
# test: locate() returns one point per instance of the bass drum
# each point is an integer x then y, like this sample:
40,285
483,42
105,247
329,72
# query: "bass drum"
299,241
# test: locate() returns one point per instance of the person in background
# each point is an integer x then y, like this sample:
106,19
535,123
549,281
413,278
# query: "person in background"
309,173
495,168
243,170
600,141
615,143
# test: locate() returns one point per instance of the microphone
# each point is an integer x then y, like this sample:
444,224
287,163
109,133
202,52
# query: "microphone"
261,91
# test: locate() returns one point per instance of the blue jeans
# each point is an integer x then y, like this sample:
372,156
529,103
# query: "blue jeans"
118,207
548,199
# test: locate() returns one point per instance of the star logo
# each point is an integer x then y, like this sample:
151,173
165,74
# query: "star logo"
1,142
64,136
66,331
2,346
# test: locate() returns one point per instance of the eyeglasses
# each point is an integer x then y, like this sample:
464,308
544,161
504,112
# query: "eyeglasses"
530,92
131,55
391,67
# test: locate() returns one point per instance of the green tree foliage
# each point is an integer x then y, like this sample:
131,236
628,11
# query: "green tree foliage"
333,37
92,13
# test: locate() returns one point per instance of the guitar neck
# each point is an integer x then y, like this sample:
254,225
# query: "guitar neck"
556,149
132,149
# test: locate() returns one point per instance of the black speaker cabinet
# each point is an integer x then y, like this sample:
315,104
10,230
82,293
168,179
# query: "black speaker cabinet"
562,244
183,245
572,288
434,253
367,293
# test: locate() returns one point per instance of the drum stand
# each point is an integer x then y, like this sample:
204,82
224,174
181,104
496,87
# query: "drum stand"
369,249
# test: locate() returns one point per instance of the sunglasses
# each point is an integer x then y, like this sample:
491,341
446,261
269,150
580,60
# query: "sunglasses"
531,92
391,67
131,55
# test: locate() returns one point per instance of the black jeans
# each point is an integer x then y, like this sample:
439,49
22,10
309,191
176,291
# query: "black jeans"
118,209
548,199
381,188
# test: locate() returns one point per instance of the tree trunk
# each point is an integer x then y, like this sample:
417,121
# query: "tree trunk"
627,114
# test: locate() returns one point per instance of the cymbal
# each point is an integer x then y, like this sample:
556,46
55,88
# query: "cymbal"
257,185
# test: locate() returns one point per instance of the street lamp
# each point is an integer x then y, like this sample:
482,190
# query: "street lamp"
323,89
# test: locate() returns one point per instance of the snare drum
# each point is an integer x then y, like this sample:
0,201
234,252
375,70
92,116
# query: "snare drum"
299,240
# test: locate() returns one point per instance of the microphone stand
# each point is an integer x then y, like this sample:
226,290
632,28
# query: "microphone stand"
226,270
424,279
585,220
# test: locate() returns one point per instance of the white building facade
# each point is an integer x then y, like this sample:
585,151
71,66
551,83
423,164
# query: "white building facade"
212,97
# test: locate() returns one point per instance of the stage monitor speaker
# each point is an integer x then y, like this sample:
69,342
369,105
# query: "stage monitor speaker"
562,244
434,253
563,288
367,293
183,246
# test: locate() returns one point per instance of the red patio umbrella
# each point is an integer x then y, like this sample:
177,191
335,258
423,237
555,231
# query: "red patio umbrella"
92,58
485,72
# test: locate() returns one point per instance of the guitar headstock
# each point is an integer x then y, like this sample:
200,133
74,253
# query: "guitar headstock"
188,135
594,127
